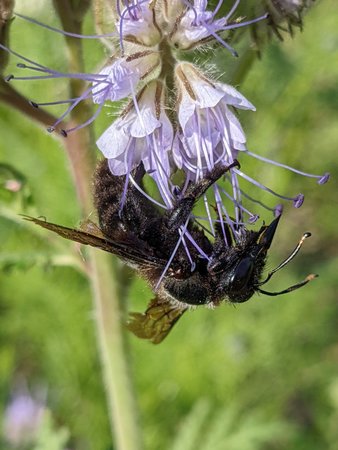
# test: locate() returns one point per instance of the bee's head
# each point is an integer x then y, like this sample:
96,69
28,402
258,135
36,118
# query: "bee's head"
246,271
238,271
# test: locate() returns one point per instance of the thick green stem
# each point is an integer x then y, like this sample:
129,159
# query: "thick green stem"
110,333
108,313
112,344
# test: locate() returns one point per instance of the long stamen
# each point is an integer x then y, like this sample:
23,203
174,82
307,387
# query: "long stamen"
173,254
322,179
221,41
297,201
258,202
219,205
87,122
252,217
90,77
198,248
138,187
65,33
232,26
207,209
59,102
165,195
68,110
210,30
127,158
192,263
232,10
162,177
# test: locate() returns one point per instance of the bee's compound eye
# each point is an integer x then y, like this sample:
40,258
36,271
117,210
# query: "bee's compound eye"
242,274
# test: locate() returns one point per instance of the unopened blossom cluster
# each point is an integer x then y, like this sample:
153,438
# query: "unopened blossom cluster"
177,117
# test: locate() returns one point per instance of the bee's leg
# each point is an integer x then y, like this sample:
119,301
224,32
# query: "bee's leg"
108,193
180,213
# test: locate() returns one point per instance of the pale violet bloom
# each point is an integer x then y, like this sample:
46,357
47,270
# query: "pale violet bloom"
118,81
199,25
137,20
210,133
143,133
22,419
114,82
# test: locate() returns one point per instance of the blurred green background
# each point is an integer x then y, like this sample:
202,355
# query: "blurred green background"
262,375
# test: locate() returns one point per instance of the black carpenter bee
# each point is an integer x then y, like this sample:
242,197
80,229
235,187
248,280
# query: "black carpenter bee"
147,240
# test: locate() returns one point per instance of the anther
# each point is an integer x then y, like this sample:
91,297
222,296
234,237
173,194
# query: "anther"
324,179
278,210
176,191
253,218
298,201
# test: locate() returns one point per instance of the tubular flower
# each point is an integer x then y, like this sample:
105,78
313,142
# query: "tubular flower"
137,23
143,133
119,79
198,25
209,132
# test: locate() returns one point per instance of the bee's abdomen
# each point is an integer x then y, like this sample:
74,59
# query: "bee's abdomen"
131,216
107,197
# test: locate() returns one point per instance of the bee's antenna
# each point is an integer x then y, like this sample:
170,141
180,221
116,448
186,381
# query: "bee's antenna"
285,262
310,277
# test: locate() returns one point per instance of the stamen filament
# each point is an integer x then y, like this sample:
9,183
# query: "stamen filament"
322,178
183,228
297,201
65,33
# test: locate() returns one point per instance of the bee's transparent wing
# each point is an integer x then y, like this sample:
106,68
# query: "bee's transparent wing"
157,321
127,250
